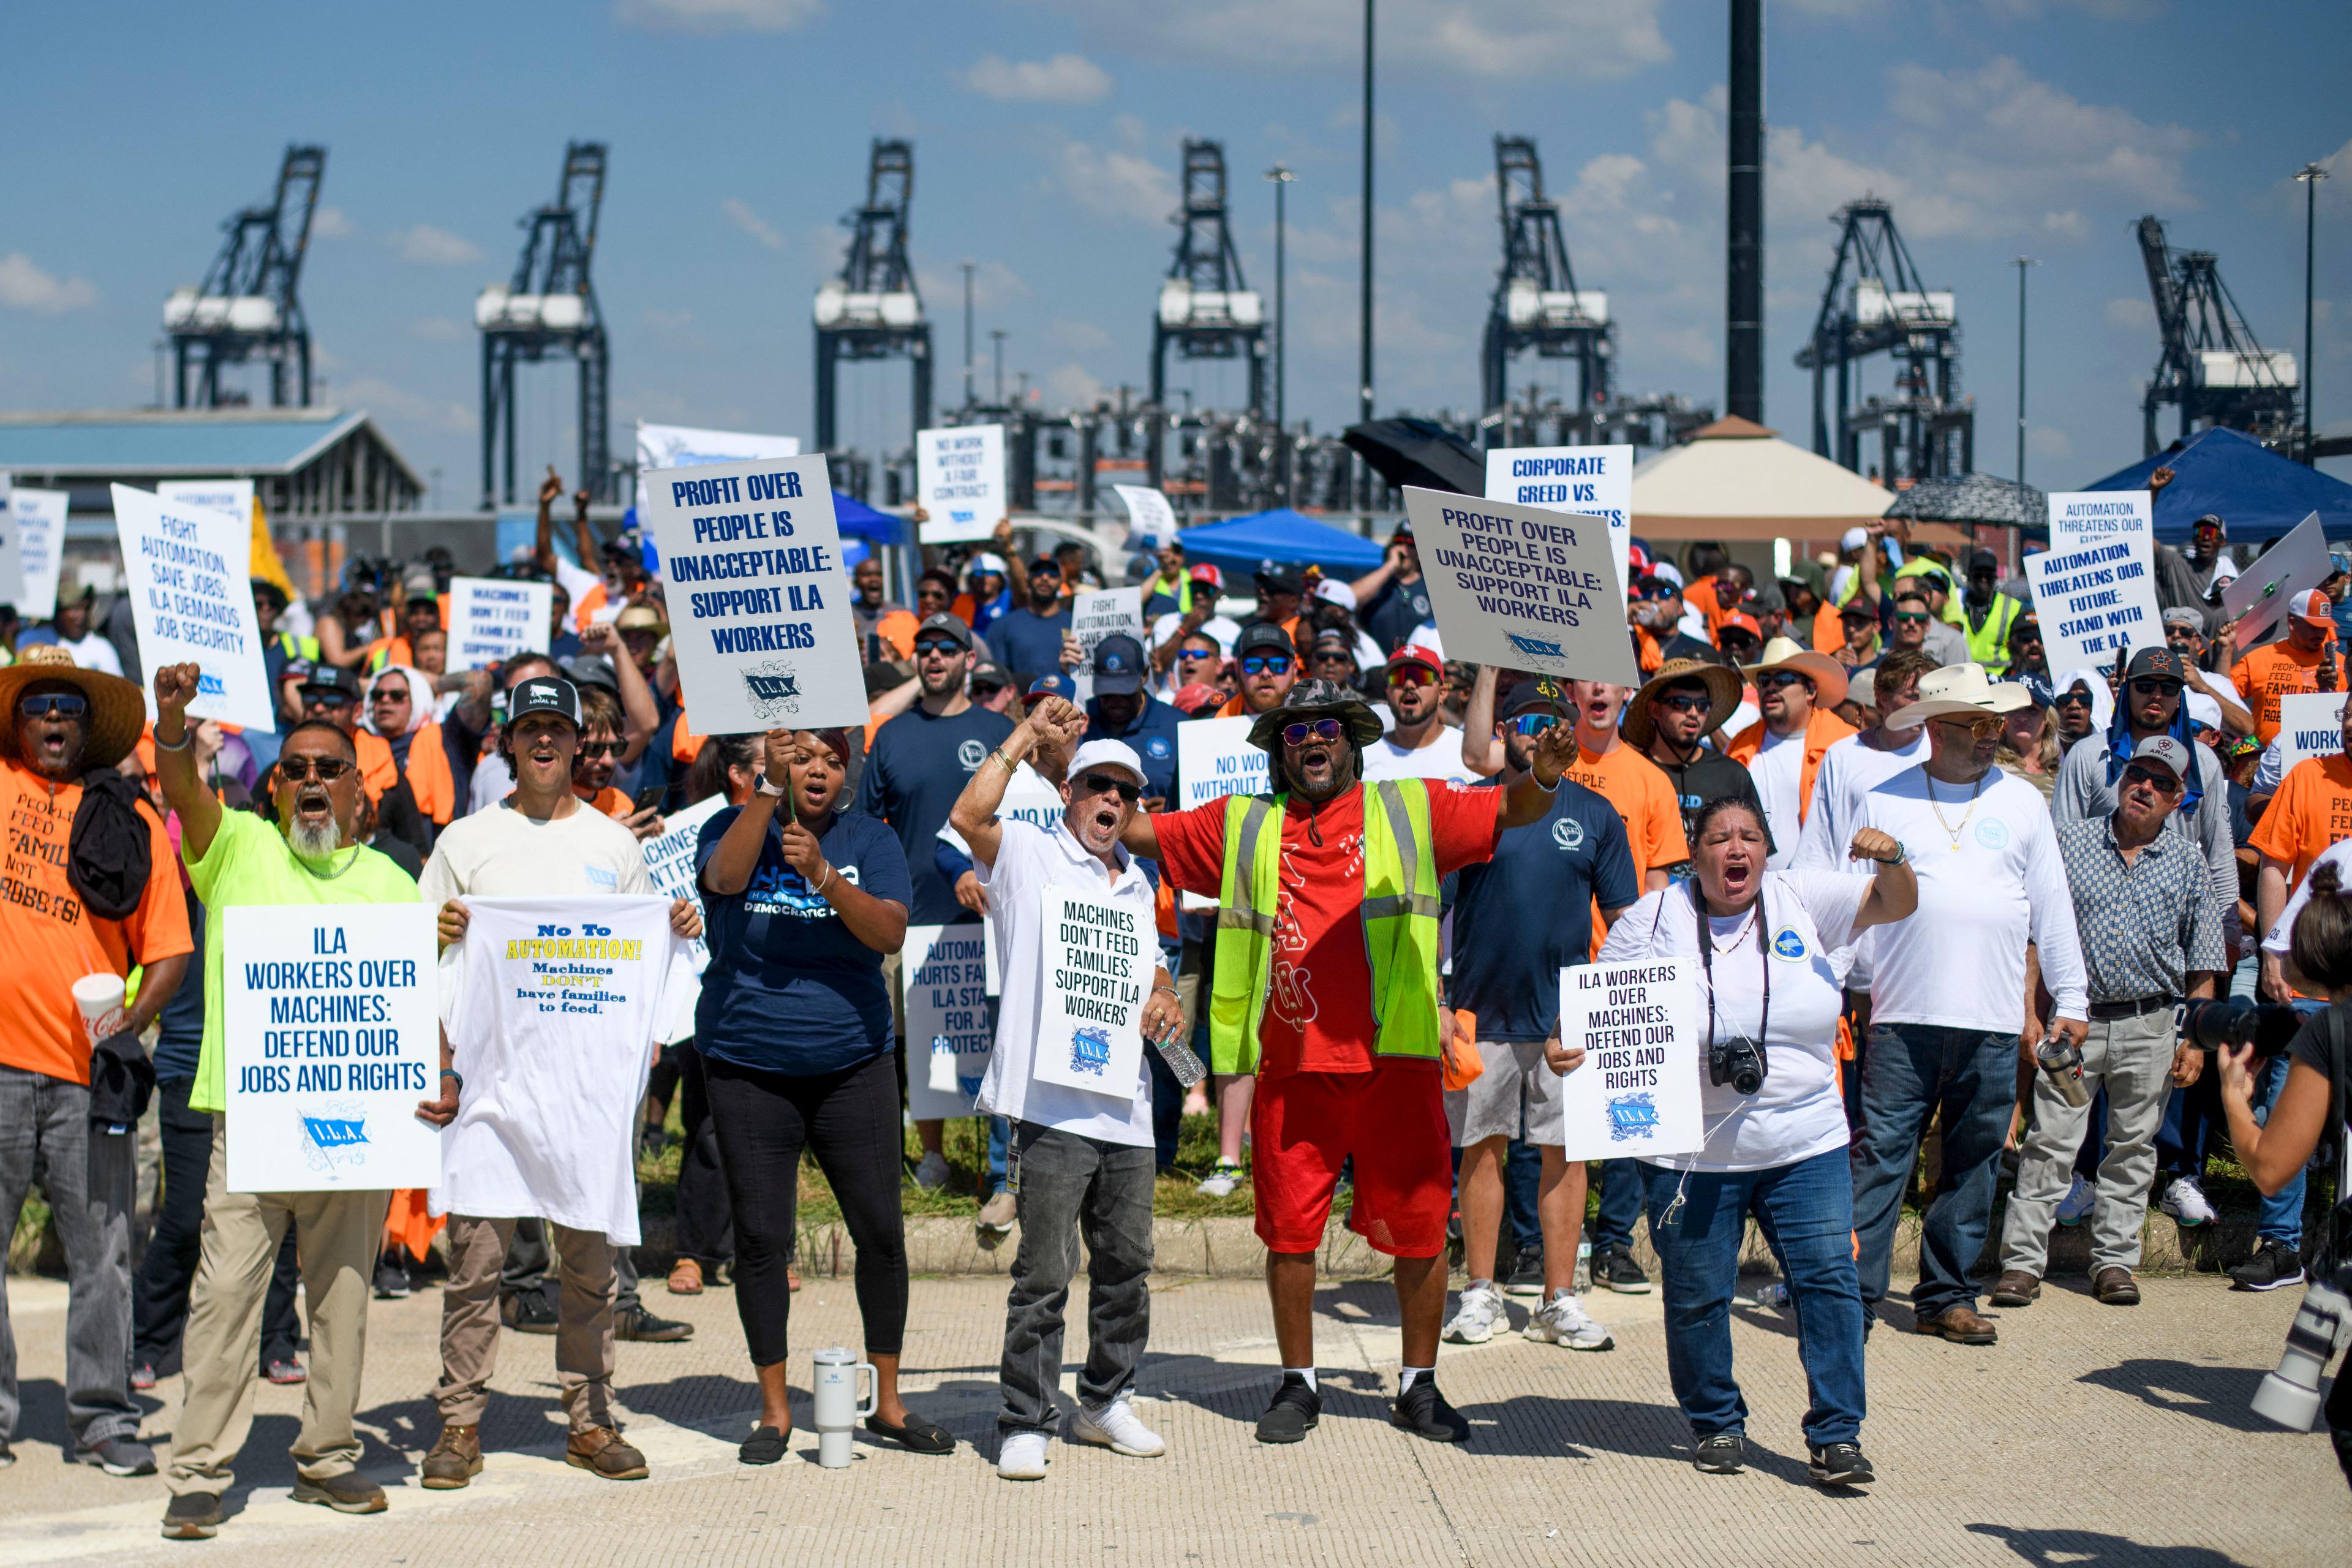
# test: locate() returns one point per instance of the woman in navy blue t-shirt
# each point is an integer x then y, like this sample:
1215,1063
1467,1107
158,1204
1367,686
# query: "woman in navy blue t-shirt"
795,1028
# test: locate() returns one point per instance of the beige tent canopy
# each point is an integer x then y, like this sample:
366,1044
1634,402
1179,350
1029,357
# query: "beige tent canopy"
1734,479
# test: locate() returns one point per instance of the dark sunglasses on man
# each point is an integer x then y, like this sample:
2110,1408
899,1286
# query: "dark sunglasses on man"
302,770
1262,663
2163,784
2153,686
1533,723
982,690
326,699
47,704
1109,783
1412,675
1680,701
946,647
1315,730
1773,679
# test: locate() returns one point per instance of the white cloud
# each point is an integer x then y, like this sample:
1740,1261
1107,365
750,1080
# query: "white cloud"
741,214
1119,185
330,222
25,287
2102,10
1077,337
437,330
993,285
1070,387
398,406
717,16
2132,312
2049,441
430,247
1064,78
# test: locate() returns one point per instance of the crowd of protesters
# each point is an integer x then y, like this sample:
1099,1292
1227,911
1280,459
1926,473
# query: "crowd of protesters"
1904,850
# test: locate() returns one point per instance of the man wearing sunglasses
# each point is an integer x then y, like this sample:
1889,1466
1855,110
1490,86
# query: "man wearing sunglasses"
2184,633
310,855
1035,637
1269,664
1325,985
1423,745
1797,689
1947,636
1910,622
1669,721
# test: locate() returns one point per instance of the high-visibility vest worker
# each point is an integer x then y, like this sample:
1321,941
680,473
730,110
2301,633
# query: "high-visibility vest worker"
1989,643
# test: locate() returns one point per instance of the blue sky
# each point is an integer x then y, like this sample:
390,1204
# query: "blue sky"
1046,137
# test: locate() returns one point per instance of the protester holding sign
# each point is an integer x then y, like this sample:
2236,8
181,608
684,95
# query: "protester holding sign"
1775,1129
2305,660
1076,997
310,855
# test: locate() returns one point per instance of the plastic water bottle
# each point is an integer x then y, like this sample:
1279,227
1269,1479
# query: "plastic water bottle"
1776,1294
1583,1267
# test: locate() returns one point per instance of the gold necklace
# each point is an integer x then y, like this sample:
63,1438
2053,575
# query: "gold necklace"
1951,832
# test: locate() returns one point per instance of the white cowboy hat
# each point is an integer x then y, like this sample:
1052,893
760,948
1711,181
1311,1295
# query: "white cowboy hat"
1960,689
1827,673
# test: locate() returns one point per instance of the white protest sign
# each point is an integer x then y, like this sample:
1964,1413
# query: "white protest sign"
2094,599
330,1024
1636,1092
959,480
669,861
2311,725
1148,512
491,619
2257,599
186,571
1597,481
1099,612
944,972
683,446
1032,798
1523,587
234,497
759,605
12,556
40,537
1097,959
2083,518
1214,759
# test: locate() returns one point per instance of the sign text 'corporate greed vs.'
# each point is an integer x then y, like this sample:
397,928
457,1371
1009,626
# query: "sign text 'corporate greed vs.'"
759,606
1524,587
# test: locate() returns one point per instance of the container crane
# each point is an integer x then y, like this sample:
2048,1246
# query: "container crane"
871,309
1878,303
1536,304
247,307
550,312
1206,309
2210,363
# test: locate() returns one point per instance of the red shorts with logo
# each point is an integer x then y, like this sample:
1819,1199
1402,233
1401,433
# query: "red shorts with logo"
1303,1125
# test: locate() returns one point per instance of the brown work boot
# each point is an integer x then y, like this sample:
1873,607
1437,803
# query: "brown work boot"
456,1459
1960,1325
2015,1287
2115,1286
686,1278
599,1451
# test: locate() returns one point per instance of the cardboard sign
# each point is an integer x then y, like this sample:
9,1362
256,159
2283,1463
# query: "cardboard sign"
2257,599
944,972
330,1024
491,619
1099,959
2311,725
960,478
1595,481
40,538
1637,1093
2094,599
2079,518
1148,512
186,571
759,605
1523,587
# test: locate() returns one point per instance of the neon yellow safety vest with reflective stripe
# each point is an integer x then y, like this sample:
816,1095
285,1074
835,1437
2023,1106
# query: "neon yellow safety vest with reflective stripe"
1400,907
1988,644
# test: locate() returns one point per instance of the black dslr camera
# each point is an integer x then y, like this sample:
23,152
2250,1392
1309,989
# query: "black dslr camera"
2268,1026
1737,1061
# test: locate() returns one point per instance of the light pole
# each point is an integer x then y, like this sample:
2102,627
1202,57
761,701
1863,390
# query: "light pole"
1282,177
1364,285
996,340
2310,175
967,334
2021,263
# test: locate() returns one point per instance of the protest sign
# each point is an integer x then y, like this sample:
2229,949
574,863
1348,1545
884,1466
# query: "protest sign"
1097,613
491,619
40,538
960,478
1032,798
759,606
1524,587
1596,481
2079,518
1099,959
330,1024
234,497
2311,725
944,971
1214,759
1637,1093
12,558
2257,599
1148,512
2094,599
684,446
185,571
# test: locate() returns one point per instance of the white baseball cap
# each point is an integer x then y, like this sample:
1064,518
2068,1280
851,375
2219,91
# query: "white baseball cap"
1107,753
1338,593
1853,539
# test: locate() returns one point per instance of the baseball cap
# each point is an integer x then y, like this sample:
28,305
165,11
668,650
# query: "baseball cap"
1264,635
544,694
324,677
1119,666
2166,750
988,561
1107,753
1853,539
1273,577
1413,653
988,672
1053,683
1336,592
1740,620
2182,616
1044,563
1335,637
2312,606
1529,696
2157,664
1982,561
2215,519
593,670
1206,571
1859,606
947,624
419,583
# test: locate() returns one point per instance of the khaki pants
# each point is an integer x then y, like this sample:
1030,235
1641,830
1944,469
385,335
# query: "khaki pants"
336,1238
469,1322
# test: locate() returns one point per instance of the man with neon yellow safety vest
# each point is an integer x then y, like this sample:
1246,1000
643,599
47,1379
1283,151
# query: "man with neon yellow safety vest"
1326,987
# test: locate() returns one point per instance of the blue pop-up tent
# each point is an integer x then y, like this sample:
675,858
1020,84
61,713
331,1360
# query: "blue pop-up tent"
2255,491
1291,538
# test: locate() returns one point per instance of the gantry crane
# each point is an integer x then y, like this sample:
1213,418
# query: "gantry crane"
249,306
1206,310
1536,304
549,310
872,310
1877,303
2208,363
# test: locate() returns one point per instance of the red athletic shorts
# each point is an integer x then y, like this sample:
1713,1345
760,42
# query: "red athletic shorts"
1391,1119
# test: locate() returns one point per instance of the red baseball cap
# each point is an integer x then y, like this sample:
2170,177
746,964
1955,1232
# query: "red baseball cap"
1206,571
1413,653
1744,621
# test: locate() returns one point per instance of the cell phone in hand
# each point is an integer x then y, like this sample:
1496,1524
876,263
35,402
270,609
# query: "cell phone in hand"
649,796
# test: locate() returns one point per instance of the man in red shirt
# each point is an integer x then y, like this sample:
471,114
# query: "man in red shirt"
1326,985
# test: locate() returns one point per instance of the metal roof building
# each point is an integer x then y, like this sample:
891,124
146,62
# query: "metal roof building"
306,464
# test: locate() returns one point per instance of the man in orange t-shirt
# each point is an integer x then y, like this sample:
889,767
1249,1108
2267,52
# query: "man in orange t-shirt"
2291,664
2311,811
56,724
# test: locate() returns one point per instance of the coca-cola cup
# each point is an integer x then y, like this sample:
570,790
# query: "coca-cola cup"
99,998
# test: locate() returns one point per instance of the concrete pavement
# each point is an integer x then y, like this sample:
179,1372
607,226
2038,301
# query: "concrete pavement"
2090,1435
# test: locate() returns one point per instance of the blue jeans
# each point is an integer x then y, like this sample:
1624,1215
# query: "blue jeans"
1806,1210
1914,1071
1620,1206
2280,1217
1522,1175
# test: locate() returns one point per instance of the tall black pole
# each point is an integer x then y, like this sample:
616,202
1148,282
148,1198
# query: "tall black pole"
1364,304
967,334
1281,178
2310,175
2022,264
1744,270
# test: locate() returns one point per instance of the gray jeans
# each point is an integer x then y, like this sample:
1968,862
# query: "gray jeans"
1066,1185
2133,1057
45,1136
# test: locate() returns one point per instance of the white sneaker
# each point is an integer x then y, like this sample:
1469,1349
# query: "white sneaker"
1562,1322
997,1215
2186,1201
1473,1320
1023,1457
932,1172
1116,1427
1221,1181
2079,1200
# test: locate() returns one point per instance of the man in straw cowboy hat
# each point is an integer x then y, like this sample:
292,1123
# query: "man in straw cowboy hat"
1949,1004
1669,721
90,890
1796,689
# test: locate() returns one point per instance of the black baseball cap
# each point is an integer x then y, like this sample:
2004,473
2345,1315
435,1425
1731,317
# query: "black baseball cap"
544,694
1263,637
1119,666
1982,561
2158,663
334,677
1531,696
951,626
1273,577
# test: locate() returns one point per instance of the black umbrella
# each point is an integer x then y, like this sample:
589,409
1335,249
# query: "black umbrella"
1419,452
1973,497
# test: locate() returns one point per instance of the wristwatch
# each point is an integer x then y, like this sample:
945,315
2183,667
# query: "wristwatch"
763,787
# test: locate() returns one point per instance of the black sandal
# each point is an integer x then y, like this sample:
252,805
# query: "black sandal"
764,1447
917,1437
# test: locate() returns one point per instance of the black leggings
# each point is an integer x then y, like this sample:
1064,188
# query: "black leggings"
849,1121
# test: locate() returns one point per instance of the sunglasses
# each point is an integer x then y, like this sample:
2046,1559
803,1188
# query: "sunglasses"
1912,617
930,646
1978,728
2163,784
2071,698
326,699
302,770
1413,677
1264,663
984,689
1685,701
1110,783
58,704
2152,686
1320,729
1195,655
1533,723
1779,679
389,694
590,750
1335,656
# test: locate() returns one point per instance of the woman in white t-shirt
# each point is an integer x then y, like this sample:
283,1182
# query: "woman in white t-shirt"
1777,1152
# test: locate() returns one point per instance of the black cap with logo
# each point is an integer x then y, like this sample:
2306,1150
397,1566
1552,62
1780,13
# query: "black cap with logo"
1119,666
544,694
